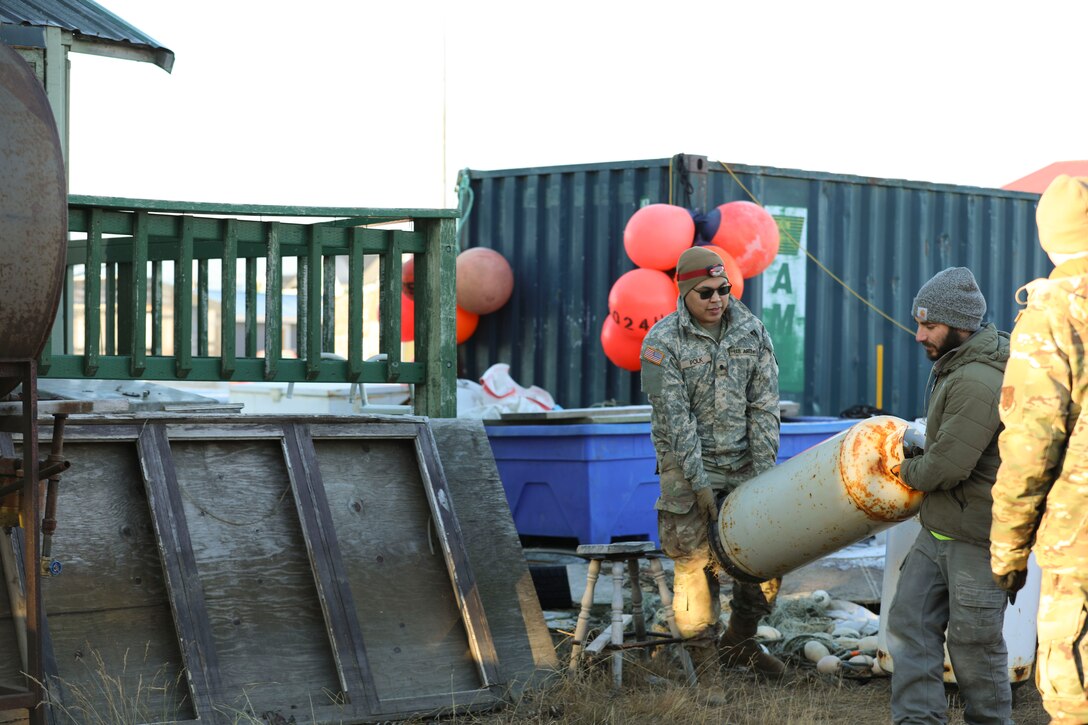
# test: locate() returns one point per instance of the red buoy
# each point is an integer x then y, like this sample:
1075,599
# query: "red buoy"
484,280
640,298
656,235
466,324
732,270
407,318
749,234
620,348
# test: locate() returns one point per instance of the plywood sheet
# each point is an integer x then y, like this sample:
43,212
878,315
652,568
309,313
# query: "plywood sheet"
107,612
266,621
415,641
324,565
521,637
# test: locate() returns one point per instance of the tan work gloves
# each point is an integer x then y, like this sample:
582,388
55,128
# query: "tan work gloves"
707,503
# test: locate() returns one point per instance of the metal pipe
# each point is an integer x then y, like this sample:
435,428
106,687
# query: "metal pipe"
55,463
46,469
11,467
823,499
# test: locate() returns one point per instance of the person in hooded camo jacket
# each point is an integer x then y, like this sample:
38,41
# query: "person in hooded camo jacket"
1041,494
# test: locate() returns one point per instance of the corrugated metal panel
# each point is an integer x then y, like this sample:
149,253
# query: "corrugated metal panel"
561,228
84,18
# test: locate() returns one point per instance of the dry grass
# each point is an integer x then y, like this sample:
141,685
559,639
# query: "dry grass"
733,698
106,695
653,692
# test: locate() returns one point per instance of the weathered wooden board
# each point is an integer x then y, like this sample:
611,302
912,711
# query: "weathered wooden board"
317,565
415,642
522,641
14,717
258,586
617,414
104,535
11,665
106,657
108,612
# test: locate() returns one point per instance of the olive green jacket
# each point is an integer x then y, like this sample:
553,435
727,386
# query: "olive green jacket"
961,457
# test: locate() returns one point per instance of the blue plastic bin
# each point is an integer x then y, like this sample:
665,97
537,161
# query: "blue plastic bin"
597,482
800,434
591,482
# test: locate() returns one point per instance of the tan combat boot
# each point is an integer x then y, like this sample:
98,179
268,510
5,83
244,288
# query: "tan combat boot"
737,647
703,650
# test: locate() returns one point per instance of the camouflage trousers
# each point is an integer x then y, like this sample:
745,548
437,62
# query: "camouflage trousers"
696,587
1063,647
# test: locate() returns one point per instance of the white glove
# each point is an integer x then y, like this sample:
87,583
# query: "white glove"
914,442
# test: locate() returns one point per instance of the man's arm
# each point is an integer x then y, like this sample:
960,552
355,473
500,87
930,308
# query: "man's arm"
674,420
1035,401
763,408
969,423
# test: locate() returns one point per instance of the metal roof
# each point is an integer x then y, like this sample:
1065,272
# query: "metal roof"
89,22
1037,181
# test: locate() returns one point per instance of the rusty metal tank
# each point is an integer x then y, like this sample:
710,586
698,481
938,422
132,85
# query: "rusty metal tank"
33,214
1018,626
825,498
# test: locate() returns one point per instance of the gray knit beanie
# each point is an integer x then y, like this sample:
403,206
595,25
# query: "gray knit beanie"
952,298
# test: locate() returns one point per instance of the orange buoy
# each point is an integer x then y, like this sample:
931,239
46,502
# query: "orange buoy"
732,271
640,298
655,235
484,280
466,324
749,234
407,318
621,349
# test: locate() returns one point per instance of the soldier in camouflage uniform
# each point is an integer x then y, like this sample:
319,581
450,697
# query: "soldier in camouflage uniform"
711,376
1041,493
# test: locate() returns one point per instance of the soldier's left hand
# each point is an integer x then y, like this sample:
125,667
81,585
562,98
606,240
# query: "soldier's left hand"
707,502
1012,582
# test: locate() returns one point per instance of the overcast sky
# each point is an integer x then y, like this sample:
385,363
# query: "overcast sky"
380,103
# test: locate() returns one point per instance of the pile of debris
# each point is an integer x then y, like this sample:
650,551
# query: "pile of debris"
807,629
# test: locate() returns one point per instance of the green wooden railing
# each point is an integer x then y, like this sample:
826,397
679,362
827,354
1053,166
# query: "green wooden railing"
122,245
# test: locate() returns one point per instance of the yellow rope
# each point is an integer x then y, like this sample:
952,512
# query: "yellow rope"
818,263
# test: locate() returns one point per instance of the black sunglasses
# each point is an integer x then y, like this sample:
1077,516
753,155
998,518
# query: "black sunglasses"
706,294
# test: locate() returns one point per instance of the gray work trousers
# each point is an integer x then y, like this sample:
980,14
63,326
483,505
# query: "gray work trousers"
947,584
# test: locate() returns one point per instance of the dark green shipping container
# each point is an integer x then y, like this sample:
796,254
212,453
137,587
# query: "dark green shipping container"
561,229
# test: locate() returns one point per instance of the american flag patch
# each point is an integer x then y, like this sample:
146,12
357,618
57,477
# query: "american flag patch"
653,355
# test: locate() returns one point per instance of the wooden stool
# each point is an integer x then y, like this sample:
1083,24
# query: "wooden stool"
626,555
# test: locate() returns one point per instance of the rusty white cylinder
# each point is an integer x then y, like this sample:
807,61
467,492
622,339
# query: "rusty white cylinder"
825,498
1018,627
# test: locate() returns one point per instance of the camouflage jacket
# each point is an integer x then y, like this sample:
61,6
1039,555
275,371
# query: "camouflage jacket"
1041,493
712,401
960,460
